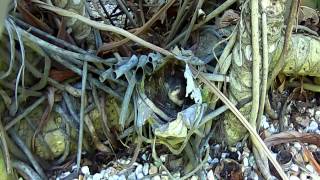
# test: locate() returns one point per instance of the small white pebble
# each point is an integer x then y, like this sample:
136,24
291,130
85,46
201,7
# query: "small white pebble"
313,126
312,147
303,176
294,167
89,177
144,156
164,177
63,175
176,175
254,175
163,157
132,176
245,162
103,172
224,155
310,112
252,161
145,169
157,177
138,169
238,145
113,177
210,175
272,129
215,161
317,115
310,168
264,122
97,176
110,171
122,177
140,176
85,170
239,155
294,178
297,146
153,169
194,178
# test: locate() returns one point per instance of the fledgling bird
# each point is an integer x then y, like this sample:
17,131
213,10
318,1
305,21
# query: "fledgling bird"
176,86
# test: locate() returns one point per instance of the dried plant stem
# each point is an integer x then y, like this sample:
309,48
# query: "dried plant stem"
26,170
140,30
256,61
177,21
82,107
103,27
14,135
25,113
257,151
210,16
193,20
265,63
5,148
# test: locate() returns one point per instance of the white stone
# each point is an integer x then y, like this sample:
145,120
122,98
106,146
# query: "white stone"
153,169
303,176
224,155
110,171
164,177
97,176
310,112
85,170
245,162
215,161
176,175
238,145
132,176
312,147
145,169
163,157
317,115
157,177
140,176
252,161
313,126
113,177
297,146
138,170
63,175
310,168
194,178
264,122
89,177
103,172
294,178
144,156
272,129
210,175
122,177
254,175
239,155
294,167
